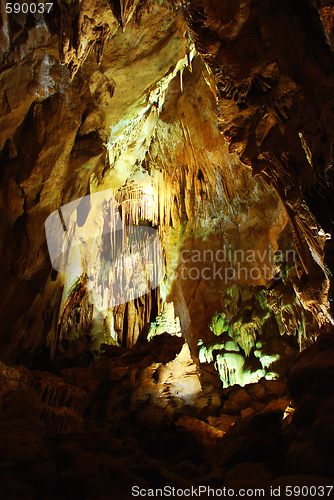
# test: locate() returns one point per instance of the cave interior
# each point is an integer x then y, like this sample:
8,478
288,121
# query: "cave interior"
166,252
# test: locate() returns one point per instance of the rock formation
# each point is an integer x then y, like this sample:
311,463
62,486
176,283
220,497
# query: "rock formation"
166,222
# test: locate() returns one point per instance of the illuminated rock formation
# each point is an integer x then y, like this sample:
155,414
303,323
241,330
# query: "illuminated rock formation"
166,222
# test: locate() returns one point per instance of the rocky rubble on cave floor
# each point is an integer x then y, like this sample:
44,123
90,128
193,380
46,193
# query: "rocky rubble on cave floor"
213,125
150,417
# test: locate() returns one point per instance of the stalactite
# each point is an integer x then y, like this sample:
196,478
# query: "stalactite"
136,205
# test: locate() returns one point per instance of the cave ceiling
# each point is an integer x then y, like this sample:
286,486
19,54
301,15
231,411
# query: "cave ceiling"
166,251
222,114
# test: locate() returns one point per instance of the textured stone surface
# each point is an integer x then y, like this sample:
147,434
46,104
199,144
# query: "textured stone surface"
310,384
220,114
75,121
125,421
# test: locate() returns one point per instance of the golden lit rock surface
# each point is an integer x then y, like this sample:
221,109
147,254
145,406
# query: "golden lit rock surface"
95,127
210,123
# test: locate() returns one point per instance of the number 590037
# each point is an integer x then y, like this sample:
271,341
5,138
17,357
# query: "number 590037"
33,8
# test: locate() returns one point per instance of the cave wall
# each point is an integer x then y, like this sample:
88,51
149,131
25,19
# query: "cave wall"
223,111
209,122
273,70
